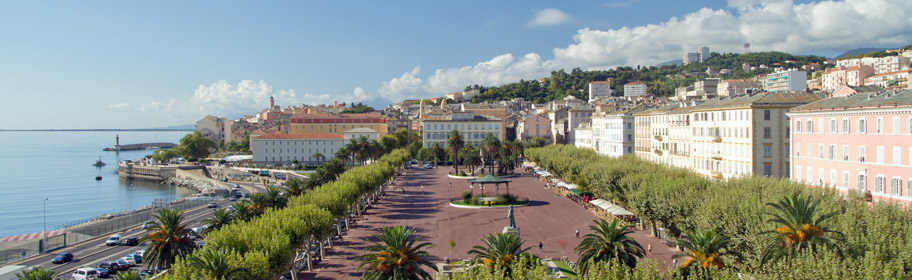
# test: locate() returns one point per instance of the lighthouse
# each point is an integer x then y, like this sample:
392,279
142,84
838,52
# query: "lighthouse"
117,142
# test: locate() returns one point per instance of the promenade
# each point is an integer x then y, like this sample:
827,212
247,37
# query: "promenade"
550,218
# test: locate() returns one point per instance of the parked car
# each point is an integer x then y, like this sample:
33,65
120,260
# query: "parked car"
246,194
147,273
130,261
280,176
428,166
112,267
148,225
85,273
140,252
114,240
136,257
131,241
233,198
414,161
62,258
124,264
102,272
211,205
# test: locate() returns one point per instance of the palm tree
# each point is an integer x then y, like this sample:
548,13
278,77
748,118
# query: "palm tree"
363,149
611,241
275,198
500,251
214,265
436,153
168,239
243,211
471,158
491,147
128,275
294,187
319,157
398,255
353,148
376,149
220,218
800,227
455,144
258,203
38,273
704,247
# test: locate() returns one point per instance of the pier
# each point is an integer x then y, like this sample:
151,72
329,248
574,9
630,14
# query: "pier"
141,146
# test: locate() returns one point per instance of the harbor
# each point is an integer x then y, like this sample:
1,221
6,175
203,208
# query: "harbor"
136,147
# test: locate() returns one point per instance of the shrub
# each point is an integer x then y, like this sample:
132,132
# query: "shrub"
499,201
467,195
510,198
462,173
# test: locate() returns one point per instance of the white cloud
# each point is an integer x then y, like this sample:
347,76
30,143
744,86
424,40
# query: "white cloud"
620,3
246,97
549,16
767,25
119,106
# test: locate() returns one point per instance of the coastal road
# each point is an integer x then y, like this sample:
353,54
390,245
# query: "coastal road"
92,252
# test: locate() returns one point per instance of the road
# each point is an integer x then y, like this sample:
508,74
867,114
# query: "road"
92,252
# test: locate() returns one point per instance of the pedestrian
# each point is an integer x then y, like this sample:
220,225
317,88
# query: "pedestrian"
649,248
577,233
540,246
674,263
451,184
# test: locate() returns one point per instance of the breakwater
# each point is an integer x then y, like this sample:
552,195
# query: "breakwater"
141,146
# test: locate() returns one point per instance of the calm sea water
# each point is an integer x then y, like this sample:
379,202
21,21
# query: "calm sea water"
35,165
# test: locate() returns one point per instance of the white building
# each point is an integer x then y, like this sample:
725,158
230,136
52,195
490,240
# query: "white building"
583,137
599,89
613,132
577,116
704,53
787,80
436,128
691,58
634,89
880,65
282,148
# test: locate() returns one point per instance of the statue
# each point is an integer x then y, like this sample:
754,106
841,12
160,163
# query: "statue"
512,219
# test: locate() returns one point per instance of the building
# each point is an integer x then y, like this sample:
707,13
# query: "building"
786,80
337,123
534,126
492,111
577,116
436,128
679,136
217,130
283,148
736,87
634,89
856,143
704,53
744,136
642,145
582,137
879,64
898,79
599,89
690,58
834,78
613,132
707,87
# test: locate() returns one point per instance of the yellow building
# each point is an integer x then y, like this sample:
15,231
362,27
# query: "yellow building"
337,123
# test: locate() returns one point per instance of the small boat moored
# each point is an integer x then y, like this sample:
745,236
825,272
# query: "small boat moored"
99,163
98,178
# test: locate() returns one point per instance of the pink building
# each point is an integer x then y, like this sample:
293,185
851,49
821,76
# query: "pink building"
534,126
834,78
856,143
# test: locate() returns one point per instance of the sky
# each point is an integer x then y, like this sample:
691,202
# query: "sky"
147,64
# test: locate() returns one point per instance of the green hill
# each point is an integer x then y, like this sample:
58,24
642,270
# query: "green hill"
661,81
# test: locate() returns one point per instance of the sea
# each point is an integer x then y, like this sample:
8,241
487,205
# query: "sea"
49,174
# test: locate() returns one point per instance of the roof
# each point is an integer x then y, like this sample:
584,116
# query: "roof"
760,99
584,107
449,117
361,130
861,100
635,83
371,115
265,131
893,73
600,82
490,179
301,136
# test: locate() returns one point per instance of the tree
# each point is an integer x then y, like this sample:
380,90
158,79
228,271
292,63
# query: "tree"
220,218
707,248
437,153
398,255
471,158
215,265
194,146
38,273
491,146
243,211
455,143
319,157
611,241
168,239
275,198
294,187
800,227
128,275
499,251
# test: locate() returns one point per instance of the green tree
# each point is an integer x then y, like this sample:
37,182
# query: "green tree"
706,248
398,255
243,211
491,146
128,275
220,218
471,158
800,226
215,265
294,187
455,143
499,251
611,241
38,273
194,146
168,239
319,157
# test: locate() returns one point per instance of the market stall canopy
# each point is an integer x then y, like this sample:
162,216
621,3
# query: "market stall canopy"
237,158
610,208
529,164
568,186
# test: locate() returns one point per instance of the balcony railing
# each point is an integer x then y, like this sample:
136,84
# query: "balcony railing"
717,156
658,152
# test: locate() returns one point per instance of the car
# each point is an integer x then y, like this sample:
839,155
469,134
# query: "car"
233,198
230,208
140,252
428,166
129,260
114,240
407,165
137,258
211,205
236,186
62,258
147,273
102,272
246,194
85,273
280,176
124,264
131,241
112,266
148,225
414,161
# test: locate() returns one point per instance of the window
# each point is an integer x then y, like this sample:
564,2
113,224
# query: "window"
798,126
897,156
766,115
880,128
861,182
845,152
896,125
810,126
880,155
845,179
896,186
798,150
845,126
833,127
909,130
767,169
879,183
798,173
820,151
767,132
767,150
862,126
833,181
861,153
832,152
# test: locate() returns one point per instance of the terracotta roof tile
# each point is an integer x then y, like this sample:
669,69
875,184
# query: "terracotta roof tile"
301,136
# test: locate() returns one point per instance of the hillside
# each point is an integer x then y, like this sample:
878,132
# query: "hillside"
661,80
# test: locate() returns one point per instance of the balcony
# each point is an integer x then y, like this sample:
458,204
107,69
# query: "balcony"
658,152
658,137
716,138
717,156
716,174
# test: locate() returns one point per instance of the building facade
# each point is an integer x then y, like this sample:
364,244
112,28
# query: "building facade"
786,80
857,143
218,130
634,89
834,78
577,116
436,128
283,148
534,126
599,89
337,123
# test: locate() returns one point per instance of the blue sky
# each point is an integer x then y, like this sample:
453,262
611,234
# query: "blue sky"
115,64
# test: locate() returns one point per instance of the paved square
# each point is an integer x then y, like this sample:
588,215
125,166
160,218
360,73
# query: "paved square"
549,218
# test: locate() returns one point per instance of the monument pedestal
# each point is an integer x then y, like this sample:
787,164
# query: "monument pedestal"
511,230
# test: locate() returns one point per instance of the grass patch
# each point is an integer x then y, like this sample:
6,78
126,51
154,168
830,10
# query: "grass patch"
565,268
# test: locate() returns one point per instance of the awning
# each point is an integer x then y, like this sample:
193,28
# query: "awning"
237,158
567,186
610,208
529,164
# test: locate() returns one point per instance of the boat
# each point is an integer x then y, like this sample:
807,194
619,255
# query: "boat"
98,178
99,163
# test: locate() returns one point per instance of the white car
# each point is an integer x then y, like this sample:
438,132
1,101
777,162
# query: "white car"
129,260
85,273
114,240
